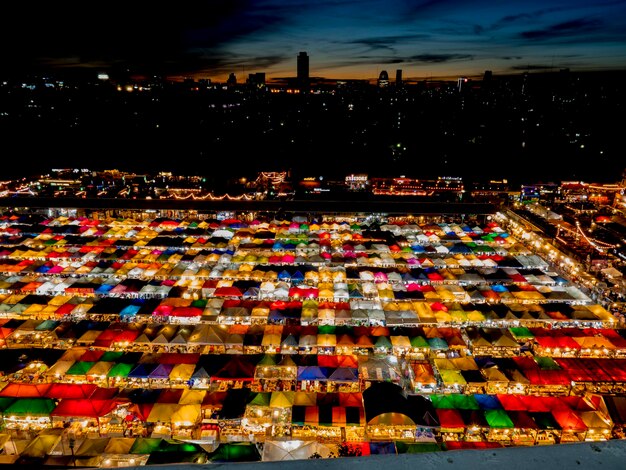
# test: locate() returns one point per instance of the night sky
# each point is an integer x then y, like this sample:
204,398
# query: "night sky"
345,38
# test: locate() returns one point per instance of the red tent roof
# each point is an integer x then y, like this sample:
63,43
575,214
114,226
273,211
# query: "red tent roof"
178,358
450,419
229,291
59,391
84,408
18,390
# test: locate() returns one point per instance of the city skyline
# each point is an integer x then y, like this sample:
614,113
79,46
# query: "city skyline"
343,38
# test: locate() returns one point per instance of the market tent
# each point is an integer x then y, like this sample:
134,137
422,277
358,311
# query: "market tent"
84,408
61,390
455,401
293,450
162,412
92,447
120,369
327,415
41,445
313,373
186,415
30,407
145,445
20,390
391,419
416,447
387,397
282,399
498,419
450,420
119,445
235,452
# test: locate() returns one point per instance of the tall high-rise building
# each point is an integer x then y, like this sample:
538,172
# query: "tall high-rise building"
398,78
232,80
383,79
303,70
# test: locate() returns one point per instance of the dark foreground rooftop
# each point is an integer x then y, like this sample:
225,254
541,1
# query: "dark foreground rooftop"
605,455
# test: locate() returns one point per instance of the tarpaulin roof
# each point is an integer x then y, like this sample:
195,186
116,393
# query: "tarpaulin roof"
30,407
84,408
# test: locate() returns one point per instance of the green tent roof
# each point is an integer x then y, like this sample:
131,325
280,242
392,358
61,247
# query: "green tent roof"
419,342
120,370
177,446
5,402
30,407
547,363
455,401
498,419
145,445
235,452
382,342
200,303
111,356
521,332
268,360
261,399
80,368
416,447
326,329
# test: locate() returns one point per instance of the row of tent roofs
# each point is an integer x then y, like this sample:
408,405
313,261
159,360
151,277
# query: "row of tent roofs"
384,403
376,311
102,334
185,369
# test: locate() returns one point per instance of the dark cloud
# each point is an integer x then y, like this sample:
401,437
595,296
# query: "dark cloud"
508,57
156,39
519,68
440,58
386,42
566,28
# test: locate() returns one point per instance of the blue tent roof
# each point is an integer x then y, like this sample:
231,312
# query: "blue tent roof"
104,288
312,373
488,402
129,311
460,248
142,371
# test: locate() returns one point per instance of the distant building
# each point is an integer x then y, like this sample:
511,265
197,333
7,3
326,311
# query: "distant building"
399,78
232,80
487,80
492,190
445,187
461,83
257,80
303,70
357,182
383,79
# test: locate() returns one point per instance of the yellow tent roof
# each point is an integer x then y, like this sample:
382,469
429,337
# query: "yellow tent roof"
182,372
192,397
282,399
186,415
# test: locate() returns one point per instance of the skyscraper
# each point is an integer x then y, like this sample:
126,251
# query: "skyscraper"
398,78
383,79
303,70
